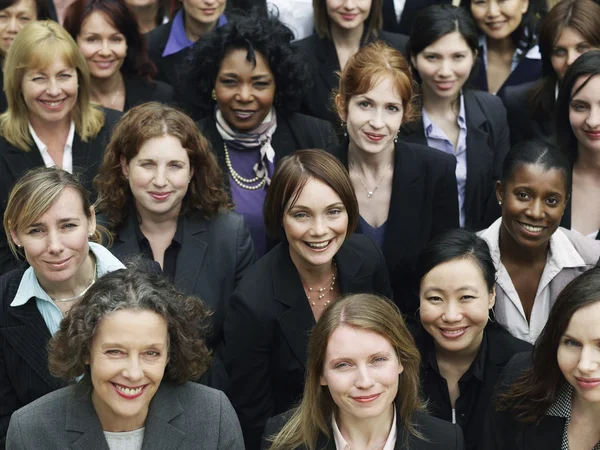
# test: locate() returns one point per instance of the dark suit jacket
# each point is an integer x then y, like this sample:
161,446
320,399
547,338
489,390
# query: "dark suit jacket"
87,157
3,101
439,434
502,430
139,91
424,203
184,417
501,347
267,327
407,18
323,61
522,125
24,336
487,145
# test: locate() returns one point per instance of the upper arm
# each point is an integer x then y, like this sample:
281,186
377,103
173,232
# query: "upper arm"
230,433
245,255
9,401
14,437
381,280
500,134
445,197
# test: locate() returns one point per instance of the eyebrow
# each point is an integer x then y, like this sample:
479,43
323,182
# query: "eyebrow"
67,219
347,358
121,345
153,161
462,288
297,206
254,77
567,336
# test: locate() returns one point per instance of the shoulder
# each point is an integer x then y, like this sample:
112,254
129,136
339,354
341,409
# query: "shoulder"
360,245
197,396
157,38
111,117
309,44
52,405
259,277
398,41
438,433
9,284
224,223
485,100
588,249
518,94
297,120
503,346
515,367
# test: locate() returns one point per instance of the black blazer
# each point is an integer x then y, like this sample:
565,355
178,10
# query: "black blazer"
487,145
14,162
407,18
424,203
522,125
267,327
439,434
139,91
501,347
24,336
323,61
503,432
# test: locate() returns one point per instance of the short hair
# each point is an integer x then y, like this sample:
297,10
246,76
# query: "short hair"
255,34
291,175
369,66
365,312
137,62
537,388
137,126
34,193
41,8
373,22
536,151
435,22
135,289
587,65
35,47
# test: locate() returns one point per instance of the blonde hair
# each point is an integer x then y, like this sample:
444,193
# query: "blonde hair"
35,47
364,312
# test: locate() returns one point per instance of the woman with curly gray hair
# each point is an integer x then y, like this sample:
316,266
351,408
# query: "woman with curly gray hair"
138,341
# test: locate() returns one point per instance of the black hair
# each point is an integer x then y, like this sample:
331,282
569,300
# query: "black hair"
435,22
588,65
253,33
537,152
41,7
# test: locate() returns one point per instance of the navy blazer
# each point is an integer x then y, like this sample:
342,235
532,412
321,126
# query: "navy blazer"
487,145
409,13
267,327
139,91
324,64
424,203
14,162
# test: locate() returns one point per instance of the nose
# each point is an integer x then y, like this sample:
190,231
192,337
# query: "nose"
493,8
13,25
318,227
536,209
133,369
593,118
364,380
53,88
571,57
105,50
589,361
453,313
349,4
244,94
444,70
377,118
55,245
160,177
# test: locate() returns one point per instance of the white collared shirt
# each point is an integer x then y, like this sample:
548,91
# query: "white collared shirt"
399,8
341,444
509,310
67,162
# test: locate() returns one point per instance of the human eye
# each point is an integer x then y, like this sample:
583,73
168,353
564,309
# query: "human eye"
70,226
342,365
459,56
335,211
38,78
380,359
431,57
91,39
434,299
552,201
262,84
300,215
559,51
114,352
467,297
571,342
364,104
176,165
228,81
578,106
523,195
34,231
3,16
118,38
24,18
153,353
393,108
584,47
65,76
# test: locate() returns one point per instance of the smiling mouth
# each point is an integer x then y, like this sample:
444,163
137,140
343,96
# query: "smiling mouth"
243,114
127,392
160,195
58,263
366,398
453,333
318,245
532,228
496,25
52,104
374,136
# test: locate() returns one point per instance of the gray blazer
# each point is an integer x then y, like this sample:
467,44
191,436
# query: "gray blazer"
185,417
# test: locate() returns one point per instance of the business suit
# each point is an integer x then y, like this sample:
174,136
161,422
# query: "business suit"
183,417
139,91
323,61
500,347
424,202
438,434
487,145
408,16
267,325
14,162
504,432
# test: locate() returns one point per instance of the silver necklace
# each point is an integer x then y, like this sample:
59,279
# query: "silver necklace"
370,193
240,180
322,292
82,293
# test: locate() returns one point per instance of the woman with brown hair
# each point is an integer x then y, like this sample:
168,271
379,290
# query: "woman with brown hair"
362,386
161,196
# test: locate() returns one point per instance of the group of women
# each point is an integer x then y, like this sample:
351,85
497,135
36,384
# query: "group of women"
378,268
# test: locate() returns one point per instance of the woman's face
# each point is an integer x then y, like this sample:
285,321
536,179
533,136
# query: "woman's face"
102,45
316,226
455,304
361,370
245,91
13,19
444,66
498,19
567,48
579,354
205,12
159,176
533,203
128,357
374,118
584,114
50,93
56,244
348,14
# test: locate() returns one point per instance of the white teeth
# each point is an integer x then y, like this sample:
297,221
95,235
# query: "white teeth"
453,331
318,245
53,104
532,229
127,391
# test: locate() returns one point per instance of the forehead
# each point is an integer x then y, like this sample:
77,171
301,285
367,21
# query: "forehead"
453,274
383,89
449,43
315,195
29,6
538,177
235,61
131,327
68,204
346,341
569,36
584,323
591,90
98,22
164,147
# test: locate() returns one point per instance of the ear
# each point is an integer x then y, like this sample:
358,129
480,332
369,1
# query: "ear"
524,6
413,62
340,108
16,240
492,300
499,190
124,166
400,367
92,221
323,381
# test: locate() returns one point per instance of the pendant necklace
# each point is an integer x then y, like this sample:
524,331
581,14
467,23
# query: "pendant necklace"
370,193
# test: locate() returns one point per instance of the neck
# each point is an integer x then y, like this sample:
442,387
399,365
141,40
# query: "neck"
73,286
435,104
505,45
194,30
51,132
511,250
370,162
145,16
154,224
342,37
460,359
313,276
585,408
103,88
587,161
368,433
117,424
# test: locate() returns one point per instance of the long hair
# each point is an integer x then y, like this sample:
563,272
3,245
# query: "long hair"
364,312
373,22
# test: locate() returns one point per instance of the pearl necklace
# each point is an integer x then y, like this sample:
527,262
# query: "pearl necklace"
82,293
324,290
239,180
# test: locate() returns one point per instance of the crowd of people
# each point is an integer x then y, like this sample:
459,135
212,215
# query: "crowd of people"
300,225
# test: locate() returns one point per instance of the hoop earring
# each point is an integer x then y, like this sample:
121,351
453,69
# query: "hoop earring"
417,315
492,315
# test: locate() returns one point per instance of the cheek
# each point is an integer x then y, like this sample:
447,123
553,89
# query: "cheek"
567,361
429,313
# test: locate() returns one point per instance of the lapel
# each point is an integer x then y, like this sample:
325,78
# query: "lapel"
19,161
191,255
82,419
329,63
164,407
81,153
126,243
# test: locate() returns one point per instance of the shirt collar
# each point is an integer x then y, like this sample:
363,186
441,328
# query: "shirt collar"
43,147
29,287
532,53
178,237
562,404
178,40
435,132
341,444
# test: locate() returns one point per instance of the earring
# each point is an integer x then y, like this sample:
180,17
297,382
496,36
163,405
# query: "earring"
91,235
396,137
500,202
343,125
213,94
492,315
417,315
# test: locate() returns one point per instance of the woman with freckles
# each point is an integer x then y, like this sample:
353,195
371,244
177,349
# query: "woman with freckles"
312,206
550,399
407,193
534,257
463,349
362,387
135,343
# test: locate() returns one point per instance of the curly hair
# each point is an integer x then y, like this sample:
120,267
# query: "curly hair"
265,35
137,126
134,288
137,62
